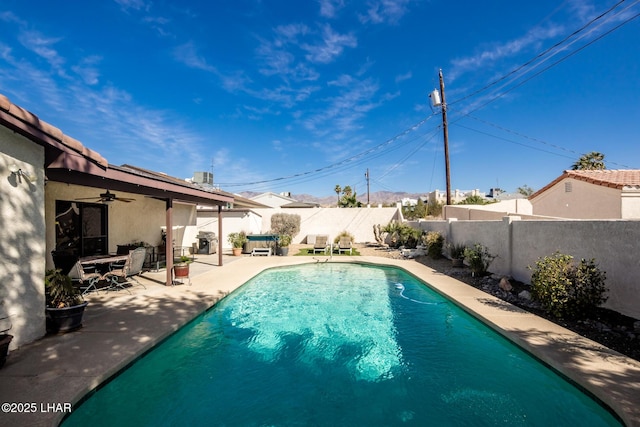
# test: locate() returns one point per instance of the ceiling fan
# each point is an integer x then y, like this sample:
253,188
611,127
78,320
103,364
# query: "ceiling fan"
107,197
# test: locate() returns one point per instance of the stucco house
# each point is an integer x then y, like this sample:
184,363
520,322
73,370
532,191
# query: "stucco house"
58,194
590,194
273,200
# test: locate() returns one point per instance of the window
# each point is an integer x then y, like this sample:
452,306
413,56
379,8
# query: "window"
81,228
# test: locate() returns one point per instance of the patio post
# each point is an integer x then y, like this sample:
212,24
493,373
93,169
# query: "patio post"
169,242
220,235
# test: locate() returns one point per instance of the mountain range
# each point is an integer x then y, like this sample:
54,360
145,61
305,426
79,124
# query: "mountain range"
378,197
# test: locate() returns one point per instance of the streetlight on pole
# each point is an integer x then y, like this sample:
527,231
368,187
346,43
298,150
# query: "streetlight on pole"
437,102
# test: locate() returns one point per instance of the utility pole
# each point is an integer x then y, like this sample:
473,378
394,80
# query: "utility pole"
367,176
446,138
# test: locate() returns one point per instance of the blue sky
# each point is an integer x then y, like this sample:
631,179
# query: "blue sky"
301,96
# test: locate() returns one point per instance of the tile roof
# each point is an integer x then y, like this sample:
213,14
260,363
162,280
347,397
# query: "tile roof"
44,130
612,178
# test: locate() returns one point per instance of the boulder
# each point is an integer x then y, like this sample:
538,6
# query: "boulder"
505,285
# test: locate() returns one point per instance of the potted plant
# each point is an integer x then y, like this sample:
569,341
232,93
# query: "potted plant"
456,253
64,303
284,240
181,269
237,240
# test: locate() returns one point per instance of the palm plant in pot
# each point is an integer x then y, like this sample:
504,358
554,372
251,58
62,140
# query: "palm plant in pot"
237,241
64,303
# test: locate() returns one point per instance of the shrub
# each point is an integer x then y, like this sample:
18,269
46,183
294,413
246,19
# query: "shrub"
283,223
456,250
343,234
434,242
479,259
565,289
402,235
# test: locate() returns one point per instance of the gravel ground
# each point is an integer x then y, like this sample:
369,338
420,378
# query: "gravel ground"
607,327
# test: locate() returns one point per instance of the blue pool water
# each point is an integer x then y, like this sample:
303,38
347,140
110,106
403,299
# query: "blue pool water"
338,345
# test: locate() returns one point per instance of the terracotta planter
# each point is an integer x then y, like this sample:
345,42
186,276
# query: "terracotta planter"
64,319
5,340
237,251
181,270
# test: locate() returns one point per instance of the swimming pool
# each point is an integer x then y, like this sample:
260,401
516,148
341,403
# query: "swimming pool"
337,344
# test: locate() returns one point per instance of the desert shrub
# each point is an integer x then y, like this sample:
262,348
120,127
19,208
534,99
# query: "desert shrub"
434,242
565,289
478,258
344,234
456,250
402,235
283,223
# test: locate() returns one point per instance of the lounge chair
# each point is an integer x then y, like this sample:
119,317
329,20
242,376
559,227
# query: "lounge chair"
321,244
124,274
344,245
86,280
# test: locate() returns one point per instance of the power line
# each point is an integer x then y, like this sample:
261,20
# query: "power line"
540,55
334,165
570,54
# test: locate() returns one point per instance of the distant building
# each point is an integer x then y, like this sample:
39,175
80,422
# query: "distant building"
274,200
457,196
590,194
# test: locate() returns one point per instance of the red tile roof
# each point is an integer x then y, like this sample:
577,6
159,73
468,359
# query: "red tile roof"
607,178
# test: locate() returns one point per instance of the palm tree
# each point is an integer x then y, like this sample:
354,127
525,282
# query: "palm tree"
590,161
347,191
338,190
525,190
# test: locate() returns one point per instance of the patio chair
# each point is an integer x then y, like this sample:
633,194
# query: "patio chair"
344,245
124,274
321,244
87,280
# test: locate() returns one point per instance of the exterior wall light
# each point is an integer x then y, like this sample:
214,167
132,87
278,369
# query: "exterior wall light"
19,173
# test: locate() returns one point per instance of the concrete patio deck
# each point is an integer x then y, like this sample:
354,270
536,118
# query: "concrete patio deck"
118,327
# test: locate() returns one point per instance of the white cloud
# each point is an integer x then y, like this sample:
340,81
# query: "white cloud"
332,46
329,8
498,51
127,5
87,71
402,77
188,55
385,11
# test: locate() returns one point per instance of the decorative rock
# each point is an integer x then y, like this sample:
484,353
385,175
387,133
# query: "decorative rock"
525,295
505,285
636,326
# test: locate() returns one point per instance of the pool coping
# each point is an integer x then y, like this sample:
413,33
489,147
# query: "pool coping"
118,328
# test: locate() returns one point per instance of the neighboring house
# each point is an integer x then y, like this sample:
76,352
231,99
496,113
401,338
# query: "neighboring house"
590,194
54,197
273,200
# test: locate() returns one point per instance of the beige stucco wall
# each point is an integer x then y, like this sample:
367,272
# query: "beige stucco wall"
313,221
358,222
22,230
140,220
518,244
630,203
584,201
